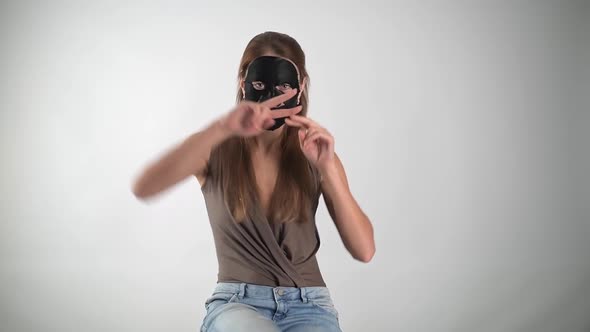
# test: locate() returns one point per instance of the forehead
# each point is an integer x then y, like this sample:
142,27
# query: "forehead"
267,64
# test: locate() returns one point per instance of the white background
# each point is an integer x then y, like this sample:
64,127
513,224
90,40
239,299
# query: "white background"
462,128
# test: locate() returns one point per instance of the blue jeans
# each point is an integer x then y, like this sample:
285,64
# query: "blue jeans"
238,307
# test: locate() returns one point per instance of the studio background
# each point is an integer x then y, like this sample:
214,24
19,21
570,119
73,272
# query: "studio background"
462,127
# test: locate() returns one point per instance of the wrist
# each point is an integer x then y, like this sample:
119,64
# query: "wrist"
221,127
328,171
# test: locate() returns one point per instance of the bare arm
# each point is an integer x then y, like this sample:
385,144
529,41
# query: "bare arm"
191,156
352,223
187,158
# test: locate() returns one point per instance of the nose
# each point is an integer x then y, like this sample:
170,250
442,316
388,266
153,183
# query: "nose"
271,93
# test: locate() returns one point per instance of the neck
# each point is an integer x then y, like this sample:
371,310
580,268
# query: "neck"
268,142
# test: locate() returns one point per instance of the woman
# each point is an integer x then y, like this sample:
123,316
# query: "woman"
262,167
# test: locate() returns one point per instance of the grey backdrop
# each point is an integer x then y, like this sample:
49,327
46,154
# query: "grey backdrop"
462,126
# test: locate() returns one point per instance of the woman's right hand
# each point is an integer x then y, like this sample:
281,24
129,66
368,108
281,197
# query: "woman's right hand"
249,118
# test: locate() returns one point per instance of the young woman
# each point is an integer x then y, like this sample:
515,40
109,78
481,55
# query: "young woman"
262,168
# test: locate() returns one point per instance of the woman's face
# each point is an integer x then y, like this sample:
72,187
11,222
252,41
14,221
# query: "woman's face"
269,76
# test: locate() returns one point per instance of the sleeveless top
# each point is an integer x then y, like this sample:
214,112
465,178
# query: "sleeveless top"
260,252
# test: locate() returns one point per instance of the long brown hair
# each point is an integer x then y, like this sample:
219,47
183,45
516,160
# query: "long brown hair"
297,184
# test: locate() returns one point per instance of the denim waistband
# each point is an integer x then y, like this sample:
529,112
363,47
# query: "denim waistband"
246,290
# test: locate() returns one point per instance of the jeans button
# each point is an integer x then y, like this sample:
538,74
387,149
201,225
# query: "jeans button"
281,292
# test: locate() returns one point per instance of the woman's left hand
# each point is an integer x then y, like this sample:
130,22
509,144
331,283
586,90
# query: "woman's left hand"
315,141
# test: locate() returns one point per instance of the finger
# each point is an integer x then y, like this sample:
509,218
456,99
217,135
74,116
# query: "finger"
262,123
258,118
272,102
265,118
286,112
268,123
292,123
264,114
303,119
308,136
311,137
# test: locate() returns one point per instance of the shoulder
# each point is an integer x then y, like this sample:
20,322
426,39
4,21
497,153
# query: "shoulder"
211,163
221,157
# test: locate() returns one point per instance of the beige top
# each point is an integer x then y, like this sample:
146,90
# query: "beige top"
262,252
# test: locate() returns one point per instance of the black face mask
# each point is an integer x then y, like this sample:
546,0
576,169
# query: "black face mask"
270,76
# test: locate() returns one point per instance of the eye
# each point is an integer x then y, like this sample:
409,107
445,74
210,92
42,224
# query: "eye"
258,85
284,87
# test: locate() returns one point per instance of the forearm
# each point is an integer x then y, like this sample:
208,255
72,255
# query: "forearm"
187,158
353,225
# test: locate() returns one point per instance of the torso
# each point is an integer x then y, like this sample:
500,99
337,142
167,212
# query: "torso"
266,170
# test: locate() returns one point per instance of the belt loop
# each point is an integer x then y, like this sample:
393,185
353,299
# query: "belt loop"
242,290
303,295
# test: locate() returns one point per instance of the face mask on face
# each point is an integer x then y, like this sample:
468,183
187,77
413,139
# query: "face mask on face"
270,76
